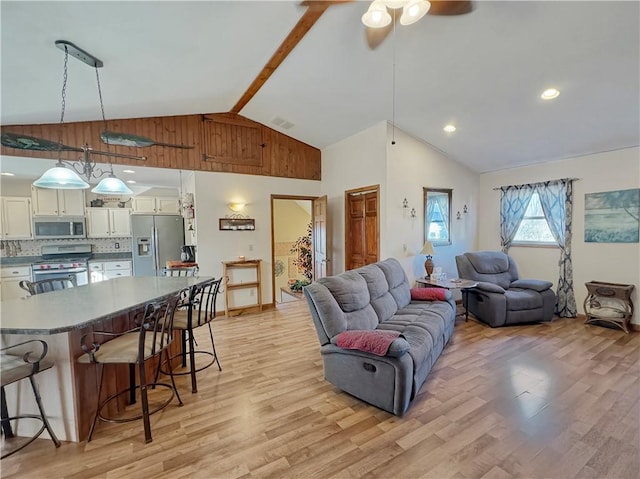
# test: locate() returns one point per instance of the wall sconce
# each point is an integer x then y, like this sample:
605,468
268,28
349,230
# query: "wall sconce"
464,210
458,215
405,205
412,215
236,206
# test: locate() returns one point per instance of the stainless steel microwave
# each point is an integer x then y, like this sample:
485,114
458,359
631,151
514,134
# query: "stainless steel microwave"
58,227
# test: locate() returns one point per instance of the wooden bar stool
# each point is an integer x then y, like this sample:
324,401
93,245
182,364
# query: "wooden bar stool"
21,362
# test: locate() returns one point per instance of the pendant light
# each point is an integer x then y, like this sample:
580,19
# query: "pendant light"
66,174
61,177
112,186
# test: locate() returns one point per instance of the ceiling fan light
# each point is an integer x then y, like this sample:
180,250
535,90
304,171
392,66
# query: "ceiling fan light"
112,186
377,15
61,178
414,11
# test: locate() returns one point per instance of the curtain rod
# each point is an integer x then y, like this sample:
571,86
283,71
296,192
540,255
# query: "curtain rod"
538,183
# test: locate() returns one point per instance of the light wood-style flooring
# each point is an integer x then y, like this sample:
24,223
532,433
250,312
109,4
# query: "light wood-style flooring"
558,400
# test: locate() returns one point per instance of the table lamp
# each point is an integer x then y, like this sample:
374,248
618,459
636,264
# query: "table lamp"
428,264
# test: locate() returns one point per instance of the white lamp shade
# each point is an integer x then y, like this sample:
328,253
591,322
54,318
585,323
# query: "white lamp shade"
61,178
414,11
111,186
377,15
427,248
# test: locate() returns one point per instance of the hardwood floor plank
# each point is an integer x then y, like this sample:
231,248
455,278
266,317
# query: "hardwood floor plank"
551,401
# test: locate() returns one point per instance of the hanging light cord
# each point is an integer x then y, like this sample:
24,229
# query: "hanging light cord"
393,85
64,99
104,118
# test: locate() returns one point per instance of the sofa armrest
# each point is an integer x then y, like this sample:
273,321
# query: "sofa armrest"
538,285
397,348
489,287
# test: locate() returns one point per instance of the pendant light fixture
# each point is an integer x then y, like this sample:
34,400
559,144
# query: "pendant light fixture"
66,174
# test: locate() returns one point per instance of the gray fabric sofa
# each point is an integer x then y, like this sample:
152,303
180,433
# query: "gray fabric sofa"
500,298
377,296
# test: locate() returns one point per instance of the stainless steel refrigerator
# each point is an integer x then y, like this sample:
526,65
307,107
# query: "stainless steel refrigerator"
156,240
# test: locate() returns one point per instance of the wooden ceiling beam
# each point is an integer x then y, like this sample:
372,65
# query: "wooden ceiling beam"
311,15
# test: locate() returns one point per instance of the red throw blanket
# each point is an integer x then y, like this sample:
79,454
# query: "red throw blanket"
429,294
372,341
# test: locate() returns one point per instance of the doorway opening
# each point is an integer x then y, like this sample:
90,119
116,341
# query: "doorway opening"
292,228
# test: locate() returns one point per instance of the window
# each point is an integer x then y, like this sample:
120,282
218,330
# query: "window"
534,228
437,216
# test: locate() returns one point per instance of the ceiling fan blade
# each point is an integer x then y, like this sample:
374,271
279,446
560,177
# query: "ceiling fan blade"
25,142
124,139
450,7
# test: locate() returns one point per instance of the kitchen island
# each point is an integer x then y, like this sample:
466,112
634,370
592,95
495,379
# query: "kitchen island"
61,318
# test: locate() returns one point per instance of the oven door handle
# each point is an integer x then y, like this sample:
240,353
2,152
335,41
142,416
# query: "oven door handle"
61,271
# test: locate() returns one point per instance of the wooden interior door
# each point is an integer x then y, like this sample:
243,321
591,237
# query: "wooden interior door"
362,227
321,268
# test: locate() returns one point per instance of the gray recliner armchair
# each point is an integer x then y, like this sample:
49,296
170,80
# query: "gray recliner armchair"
500,298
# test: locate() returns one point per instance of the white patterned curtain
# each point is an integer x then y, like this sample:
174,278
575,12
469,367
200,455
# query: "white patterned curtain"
443,206
428,217
556,199
513,205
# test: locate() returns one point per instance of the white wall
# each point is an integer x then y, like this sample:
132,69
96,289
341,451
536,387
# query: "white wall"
402,171
213,192
614,262
411,166
354,162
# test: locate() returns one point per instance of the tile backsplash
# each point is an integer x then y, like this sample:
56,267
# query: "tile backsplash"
34,247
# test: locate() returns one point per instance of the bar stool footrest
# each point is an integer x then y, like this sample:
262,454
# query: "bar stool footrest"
139,416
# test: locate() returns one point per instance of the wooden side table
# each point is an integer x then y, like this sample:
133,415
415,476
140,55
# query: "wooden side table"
462,284
609,303
233,284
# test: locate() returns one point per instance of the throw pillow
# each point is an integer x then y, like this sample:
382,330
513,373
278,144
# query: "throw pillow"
430,294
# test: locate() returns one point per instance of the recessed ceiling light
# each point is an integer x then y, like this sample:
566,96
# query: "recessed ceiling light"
449,128
550,94
128,171
7,174
131,182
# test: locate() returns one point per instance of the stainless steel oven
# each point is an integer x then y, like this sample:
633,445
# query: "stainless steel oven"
58,227
60,261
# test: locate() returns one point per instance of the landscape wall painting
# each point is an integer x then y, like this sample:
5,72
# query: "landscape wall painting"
612,216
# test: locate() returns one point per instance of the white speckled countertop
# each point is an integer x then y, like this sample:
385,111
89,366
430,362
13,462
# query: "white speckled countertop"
74,308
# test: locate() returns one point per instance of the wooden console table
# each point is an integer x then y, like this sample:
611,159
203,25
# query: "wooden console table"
609,303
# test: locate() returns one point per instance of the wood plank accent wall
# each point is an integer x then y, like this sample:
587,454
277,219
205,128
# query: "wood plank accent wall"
223,142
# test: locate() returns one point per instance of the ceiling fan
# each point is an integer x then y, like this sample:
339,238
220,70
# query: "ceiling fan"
379,21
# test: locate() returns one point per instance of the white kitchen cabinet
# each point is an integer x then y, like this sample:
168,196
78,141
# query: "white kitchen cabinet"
15,218
105,270
52,202
108,222
155,205
10,278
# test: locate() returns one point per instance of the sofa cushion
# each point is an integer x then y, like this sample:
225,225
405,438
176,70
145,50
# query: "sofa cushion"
382,301
397,280
522,299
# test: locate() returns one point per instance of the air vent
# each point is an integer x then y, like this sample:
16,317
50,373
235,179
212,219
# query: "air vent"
282,123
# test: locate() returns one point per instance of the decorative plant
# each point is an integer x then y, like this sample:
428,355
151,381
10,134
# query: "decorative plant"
302,248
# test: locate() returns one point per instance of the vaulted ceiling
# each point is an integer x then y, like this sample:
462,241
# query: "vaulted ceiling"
483,71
